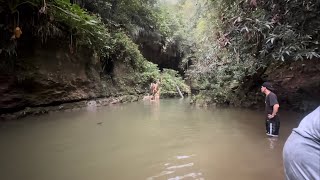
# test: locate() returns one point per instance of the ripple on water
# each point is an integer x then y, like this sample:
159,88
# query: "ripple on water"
181,166
184,157
175,169
193,175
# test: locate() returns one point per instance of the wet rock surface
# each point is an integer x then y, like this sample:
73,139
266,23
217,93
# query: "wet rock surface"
74,106
297,84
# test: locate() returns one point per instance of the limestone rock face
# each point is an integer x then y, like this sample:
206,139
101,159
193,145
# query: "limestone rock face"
297,84
48,75
154,50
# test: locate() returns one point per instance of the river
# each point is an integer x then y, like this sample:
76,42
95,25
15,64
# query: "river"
143,141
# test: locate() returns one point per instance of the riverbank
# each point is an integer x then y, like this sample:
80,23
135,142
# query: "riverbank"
71,106
77,105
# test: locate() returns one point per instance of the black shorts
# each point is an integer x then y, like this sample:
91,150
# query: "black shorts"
273,126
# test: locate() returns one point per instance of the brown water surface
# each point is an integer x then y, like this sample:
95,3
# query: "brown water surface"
143,140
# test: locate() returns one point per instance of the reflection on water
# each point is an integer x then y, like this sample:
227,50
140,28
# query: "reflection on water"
273,142
143,140
92,106
184,163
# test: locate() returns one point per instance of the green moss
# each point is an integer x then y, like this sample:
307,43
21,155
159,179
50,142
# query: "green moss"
170,80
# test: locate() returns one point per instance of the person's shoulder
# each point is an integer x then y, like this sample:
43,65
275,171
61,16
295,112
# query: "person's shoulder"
272,94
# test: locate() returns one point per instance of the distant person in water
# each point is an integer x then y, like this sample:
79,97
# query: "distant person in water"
301,152
155,90
271,110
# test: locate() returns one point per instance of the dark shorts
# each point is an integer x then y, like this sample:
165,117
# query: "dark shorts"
273,126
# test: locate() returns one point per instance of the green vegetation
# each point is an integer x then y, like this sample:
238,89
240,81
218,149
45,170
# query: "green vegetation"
107,28
225,43
170,80
51,19
87,29
234,42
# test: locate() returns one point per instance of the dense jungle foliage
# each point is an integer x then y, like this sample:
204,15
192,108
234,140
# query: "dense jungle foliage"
226,44
234,42
108,28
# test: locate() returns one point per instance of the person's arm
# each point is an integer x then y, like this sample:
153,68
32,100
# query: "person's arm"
275,110
275,104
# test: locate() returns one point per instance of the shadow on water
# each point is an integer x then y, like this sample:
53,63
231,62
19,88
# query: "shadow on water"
168,139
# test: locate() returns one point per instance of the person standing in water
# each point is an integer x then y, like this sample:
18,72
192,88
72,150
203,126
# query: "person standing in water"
155,90
271,110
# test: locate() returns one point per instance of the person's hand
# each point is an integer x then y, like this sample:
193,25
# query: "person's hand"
270,116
